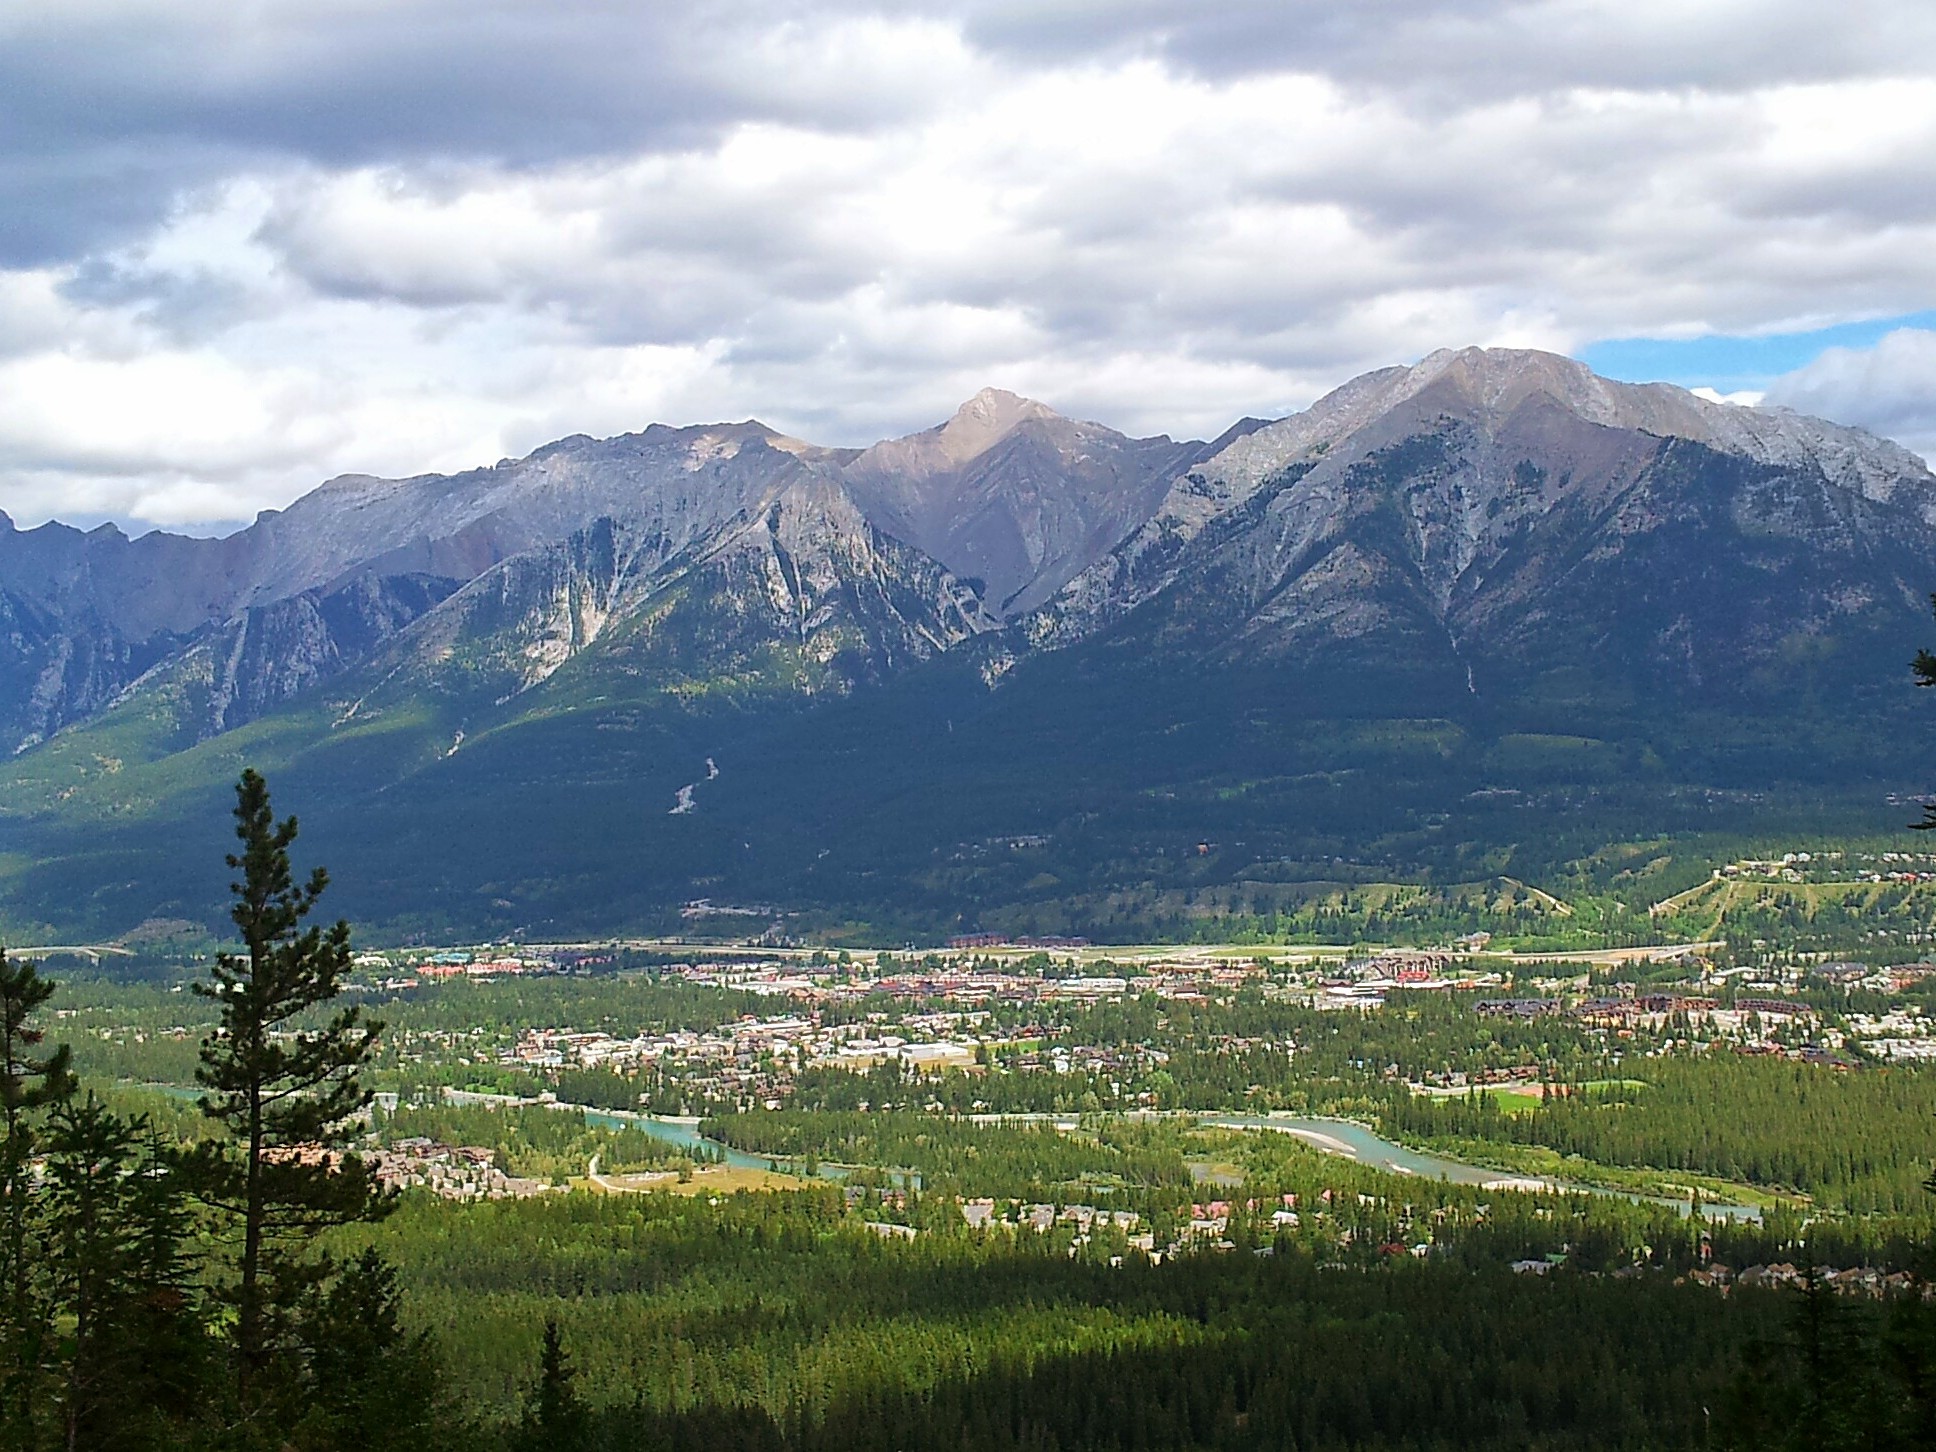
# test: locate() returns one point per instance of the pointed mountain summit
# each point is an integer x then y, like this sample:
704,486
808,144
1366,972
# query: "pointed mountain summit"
1482,384
977,426
1012,494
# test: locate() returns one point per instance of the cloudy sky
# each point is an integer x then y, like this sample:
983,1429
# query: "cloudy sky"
246,247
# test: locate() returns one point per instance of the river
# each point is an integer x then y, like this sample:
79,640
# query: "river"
1342,1137
1351,1140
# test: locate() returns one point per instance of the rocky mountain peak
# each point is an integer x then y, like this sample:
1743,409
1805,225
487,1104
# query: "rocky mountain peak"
1484,387
988,418
1014,495
1489,443
977,426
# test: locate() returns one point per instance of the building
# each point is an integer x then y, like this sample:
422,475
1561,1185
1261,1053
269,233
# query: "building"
1517,1008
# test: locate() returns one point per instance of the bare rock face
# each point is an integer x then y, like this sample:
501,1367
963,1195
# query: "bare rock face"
794,593
249,665
54,671
679,483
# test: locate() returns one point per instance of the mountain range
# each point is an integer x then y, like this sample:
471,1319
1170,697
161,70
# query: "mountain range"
588,688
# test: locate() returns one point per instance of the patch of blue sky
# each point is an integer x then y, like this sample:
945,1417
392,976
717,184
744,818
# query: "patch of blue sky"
1734,362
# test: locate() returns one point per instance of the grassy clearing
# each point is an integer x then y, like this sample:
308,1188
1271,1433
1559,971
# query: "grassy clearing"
1514,1099
708,1180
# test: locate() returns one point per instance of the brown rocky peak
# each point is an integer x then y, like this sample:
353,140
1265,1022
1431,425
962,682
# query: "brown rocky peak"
985,420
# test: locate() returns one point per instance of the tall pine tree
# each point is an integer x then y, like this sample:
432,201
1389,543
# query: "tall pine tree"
285,1093
555,1420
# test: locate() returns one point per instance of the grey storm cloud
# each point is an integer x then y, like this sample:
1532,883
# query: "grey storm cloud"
111,110
241,250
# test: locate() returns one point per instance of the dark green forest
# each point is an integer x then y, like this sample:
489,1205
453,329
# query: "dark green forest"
772,1321
1033,809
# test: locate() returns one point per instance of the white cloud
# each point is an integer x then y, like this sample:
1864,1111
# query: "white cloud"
1889,389
410,236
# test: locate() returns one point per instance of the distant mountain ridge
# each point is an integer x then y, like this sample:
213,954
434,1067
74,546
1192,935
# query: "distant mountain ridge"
1498,538
1008,493
1065,527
